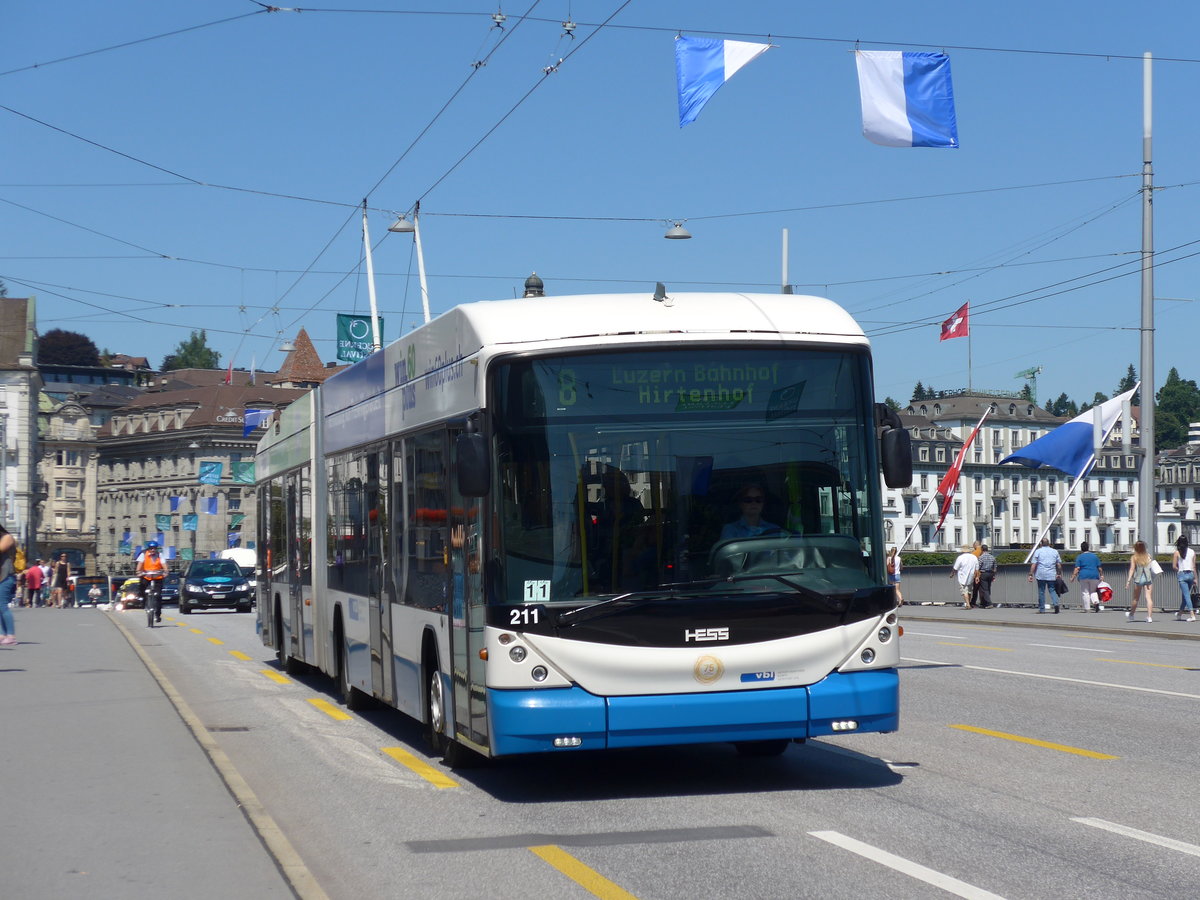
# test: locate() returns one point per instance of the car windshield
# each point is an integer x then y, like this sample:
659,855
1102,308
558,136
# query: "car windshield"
215,568
628,472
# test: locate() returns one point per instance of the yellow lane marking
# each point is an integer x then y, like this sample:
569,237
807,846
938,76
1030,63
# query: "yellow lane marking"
1134,662
1091,754
217,641
975,646
276,677
329,709
238,654
1093,637
196,631
434,776
587,878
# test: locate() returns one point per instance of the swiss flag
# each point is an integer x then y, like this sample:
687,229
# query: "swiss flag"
956,325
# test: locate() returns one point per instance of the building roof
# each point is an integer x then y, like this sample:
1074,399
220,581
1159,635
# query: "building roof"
971,406
219,405
303,365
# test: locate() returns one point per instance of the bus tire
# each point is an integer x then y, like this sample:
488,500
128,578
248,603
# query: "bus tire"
761,748
435,703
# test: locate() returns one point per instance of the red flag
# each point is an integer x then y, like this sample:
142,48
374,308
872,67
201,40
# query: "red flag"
956,325
229,374
949,482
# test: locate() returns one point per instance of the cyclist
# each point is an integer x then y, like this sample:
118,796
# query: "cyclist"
152,570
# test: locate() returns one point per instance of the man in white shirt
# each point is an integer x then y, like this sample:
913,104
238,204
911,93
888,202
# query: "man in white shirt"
964,570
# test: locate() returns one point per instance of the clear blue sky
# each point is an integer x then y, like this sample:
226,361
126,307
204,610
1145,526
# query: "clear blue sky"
325,106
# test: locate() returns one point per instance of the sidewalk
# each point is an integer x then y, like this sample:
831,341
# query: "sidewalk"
1111,621
105,790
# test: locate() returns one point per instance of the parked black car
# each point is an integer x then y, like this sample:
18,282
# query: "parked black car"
211,583
170,588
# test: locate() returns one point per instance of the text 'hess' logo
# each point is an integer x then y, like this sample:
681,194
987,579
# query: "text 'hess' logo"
705,634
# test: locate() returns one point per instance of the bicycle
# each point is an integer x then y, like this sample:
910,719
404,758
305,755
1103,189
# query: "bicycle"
152,597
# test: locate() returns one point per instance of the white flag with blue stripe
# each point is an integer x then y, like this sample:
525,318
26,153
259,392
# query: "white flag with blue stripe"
1070,447
907,98
704,64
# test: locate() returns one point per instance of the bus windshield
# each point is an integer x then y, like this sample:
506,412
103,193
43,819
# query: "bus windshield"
740,469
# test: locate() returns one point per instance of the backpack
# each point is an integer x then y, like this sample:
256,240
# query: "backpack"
19,563
891,567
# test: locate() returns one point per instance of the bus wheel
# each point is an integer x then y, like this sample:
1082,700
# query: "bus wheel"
436,704
761,748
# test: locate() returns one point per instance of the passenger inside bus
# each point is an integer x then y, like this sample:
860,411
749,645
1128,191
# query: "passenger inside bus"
619,555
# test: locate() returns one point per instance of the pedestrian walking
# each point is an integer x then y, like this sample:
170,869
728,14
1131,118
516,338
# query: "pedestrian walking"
1089,573
984,578
1184,561
33,585
62,582
977,549
1142,578
893,573
1045,566
964,570
8,587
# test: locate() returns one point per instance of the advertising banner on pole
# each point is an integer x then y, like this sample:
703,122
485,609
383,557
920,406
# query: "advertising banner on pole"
354,337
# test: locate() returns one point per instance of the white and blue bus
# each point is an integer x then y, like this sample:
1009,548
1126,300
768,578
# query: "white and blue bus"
593,522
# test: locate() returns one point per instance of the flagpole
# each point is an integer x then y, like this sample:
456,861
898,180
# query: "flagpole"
917,524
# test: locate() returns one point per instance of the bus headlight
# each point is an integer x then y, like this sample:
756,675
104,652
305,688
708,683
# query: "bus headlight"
868,656
885,634
517,653
539,673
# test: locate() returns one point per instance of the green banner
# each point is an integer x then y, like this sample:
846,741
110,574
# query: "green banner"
243,472
354,339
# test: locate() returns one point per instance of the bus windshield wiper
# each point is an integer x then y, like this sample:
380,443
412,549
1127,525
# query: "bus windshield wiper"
626,601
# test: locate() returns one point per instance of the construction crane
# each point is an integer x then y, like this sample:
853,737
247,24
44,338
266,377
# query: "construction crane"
1031,375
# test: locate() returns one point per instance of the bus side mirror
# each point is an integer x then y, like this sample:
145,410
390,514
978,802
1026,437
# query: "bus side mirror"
895,448
473,465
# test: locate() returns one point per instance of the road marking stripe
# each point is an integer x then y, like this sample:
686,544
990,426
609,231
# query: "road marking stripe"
587,878
1094,637
196,631
433,775
1062,647
1134,662
906,866
1105,684
217,641
1064,748
276,677
329,709
1148,837
238,654
976,646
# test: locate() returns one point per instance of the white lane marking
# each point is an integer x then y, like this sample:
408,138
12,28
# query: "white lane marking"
1106,684
1080,649
1148,837
957,637
907,867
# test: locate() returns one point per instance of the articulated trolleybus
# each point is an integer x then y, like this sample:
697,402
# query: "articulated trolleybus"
587,522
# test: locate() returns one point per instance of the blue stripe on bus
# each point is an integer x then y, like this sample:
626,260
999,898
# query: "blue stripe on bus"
528,721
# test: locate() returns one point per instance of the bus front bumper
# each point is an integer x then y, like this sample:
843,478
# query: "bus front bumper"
534,721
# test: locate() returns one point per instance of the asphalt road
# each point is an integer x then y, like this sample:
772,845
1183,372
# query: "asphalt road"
1031,762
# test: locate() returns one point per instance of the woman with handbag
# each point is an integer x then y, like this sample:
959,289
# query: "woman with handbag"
1141,577
1184,561
893,573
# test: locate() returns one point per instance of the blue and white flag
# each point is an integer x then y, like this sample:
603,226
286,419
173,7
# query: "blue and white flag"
704,64
252,418
210,506
1070,448
907,98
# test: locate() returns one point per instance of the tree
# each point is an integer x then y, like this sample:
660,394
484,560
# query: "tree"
194,353
67,348
1026,392
918,391
888,401
1128,382
1062,406
1177,404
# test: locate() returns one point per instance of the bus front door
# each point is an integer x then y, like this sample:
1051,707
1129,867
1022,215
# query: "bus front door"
379,592
467,616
